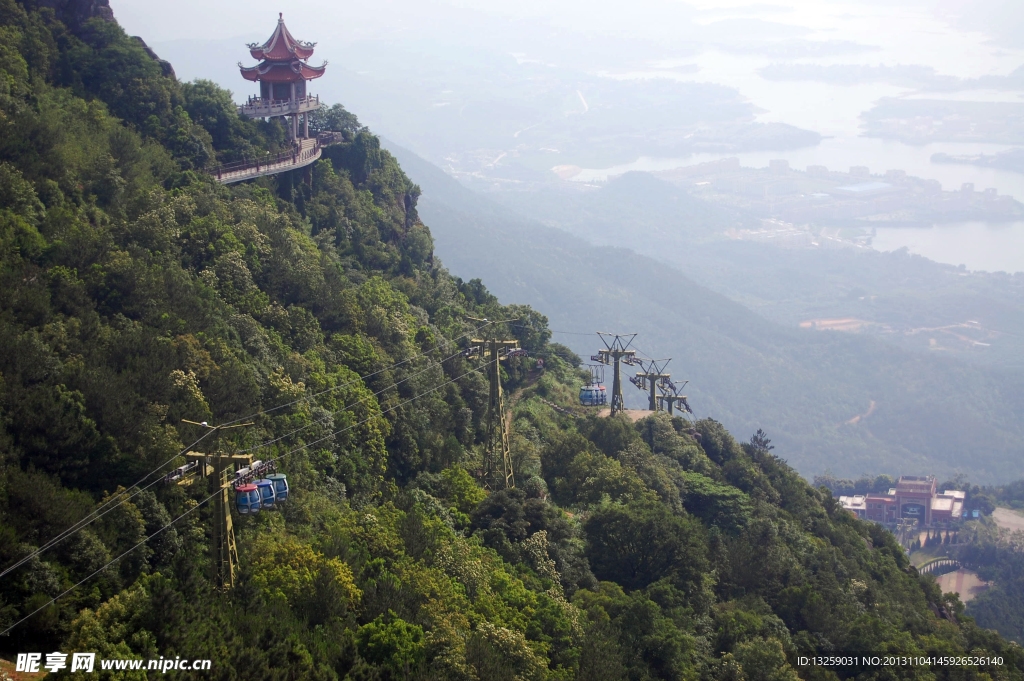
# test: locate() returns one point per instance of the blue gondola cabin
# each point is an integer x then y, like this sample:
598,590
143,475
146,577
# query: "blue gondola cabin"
247,499
280,481
593,395
266,490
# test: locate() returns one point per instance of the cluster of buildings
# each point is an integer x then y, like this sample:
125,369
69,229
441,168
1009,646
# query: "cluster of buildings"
914,497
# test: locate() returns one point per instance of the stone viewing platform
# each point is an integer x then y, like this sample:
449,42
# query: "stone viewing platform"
257,107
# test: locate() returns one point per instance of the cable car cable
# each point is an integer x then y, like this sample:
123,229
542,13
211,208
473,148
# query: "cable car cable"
350,406
100,512
569,333
97,513
219,490
359,379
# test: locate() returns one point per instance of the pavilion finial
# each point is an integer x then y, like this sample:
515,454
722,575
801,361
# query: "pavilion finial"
280,16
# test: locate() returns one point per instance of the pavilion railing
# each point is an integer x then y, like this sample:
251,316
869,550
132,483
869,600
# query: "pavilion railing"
259,105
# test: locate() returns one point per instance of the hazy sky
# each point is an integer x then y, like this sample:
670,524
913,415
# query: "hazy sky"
905,33
394,62
651,39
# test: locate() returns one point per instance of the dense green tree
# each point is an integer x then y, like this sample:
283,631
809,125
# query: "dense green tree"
641,542
334,118
395,645
136,292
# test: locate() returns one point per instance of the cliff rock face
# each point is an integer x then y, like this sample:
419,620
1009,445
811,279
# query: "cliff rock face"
165,65
74,13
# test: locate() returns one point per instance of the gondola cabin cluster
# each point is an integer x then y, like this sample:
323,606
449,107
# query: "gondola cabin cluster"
258,487
593,394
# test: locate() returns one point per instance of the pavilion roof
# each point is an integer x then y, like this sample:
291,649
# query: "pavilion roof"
281,72
281,45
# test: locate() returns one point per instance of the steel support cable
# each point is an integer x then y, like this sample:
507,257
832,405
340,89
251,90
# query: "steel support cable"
98,513
350,406
121,499
643,354
360,378
569,333
219,490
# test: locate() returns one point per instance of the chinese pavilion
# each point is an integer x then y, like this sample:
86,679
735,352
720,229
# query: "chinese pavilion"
282,74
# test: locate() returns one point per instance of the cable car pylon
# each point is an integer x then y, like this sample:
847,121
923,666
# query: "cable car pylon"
649,378
670,396
616,351
493,350
223,550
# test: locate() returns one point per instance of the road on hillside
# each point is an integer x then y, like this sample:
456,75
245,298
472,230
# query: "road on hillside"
1008,518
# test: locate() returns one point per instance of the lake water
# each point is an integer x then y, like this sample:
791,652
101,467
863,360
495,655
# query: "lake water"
977,245
991,247
839,153
895,34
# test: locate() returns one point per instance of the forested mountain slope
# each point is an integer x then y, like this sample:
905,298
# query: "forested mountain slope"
136,292
931,414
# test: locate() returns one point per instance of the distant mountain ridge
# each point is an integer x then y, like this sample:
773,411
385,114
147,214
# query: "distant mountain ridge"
745,371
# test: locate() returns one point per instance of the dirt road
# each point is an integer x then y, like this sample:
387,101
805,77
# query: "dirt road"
1008,518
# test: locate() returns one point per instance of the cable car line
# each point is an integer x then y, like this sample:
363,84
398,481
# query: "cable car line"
121,499
204,501
350,406
99,512
360,378
594,394
569,333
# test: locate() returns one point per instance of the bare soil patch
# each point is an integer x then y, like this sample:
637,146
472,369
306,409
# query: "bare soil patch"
1008,518
963,583
633,414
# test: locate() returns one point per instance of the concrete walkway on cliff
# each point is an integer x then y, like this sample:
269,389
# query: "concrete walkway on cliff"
306,153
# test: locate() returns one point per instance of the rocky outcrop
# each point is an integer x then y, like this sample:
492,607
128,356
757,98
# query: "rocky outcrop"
165,65
74,13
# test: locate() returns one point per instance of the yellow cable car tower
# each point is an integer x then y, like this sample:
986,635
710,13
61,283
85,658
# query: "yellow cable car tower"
649,378
670,397
223,551
614,352
493,351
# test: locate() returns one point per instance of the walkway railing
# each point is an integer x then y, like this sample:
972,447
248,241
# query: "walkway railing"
934,564
305,153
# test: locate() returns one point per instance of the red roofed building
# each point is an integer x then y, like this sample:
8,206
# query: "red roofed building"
880,507
914,497
282,74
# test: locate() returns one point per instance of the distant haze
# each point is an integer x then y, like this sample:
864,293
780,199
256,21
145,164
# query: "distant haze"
450,54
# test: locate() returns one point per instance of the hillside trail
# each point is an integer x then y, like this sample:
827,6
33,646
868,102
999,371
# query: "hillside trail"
859,417
531,380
